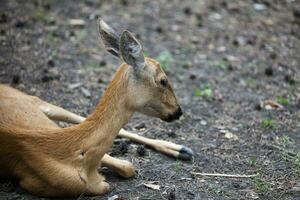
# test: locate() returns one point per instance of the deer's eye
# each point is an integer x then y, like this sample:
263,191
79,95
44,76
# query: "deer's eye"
164,82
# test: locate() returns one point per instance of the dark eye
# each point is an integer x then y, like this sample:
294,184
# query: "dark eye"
164,82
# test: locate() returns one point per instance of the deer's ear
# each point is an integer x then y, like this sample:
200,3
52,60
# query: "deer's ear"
131,50
109,38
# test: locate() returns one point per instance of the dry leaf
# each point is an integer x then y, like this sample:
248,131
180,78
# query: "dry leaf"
152,186
270,105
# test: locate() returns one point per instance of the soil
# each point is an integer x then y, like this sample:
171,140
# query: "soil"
224,58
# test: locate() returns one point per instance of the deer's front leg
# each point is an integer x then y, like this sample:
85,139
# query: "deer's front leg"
169,148
122,167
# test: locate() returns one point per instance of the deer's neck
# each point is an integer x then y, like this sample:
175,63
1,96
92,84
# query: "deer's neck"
110,115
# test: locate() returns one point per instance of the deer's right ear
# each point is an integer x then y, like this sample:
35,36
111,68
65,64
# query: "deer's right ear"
109,38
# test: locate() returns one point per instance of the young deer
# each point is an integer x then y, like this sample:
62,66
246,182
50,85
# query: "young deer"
52,161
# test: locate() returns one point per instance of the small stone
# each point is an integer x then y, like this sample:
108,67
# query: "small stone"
259,6
51,63
123,146
159,29
187,11
141,151
15,79
86,92
193,77
102,63
269,71
203,122
140,126
20,24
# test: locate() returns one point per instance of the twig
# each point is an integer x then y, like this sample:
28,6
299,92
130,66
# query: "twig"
225,175
281,149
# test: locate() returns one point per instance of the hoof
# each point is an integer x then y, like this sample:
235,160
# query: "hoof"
185,153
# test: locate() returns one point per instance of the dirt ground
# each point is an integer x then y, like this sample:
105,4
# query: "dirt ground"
225,59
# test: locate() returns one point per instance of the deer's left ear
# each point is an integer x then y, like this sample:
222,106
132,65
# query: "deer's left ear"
131,50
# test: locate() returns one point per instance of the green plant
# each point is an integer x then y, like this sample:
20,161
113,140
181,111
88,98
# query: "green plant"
268,123
260,186
178,165
297,161
285,140
252,161
165,58
205,91
283,101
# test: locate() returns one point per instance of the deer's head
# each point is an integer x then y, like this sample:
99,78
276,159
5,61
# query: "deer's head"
149,90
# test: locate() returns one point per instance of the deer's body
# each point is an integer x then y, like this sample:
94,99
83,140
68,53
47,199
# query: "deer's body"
58,157
52,161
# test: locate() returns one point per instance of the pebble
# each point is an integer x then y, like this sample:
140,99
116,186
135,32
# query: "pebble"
259,6
141,151
74,85
51,63
86,92
269,71
102,63
123,146
203,122
187,11
193,77
140,126
20,24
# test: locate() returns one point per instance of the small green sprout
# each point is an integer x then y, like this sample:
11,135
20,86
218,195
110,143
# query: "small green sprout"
283,101
268,123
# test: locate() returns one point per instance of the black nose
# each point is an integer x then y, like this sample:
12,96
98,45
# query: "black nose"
174,116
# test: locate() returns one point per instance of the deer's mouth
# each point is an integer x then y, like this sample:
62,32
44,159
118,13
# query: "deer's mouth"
174,116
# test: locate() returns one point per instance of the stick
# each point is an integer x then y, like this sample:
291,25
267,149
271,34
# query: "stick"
225,175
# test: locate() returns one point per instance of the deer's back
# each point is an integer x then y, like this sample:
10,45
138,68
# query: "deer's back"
21,110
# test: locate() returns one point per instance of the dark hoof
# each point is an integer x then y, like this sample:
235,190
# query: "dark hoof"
185,153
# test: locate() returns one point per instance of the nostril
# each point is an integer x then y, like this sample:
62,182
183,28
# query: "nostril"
179,112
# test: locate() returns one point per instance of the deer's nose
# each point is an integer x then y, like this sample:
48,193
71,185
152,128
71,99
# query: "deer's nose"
174,116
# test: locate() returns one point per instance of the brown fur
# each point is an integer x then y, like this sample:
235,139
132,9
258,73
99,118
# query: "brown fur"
52,161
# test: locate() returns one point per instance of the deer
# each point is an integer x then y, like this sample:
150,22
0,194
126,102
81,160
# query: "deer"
50,161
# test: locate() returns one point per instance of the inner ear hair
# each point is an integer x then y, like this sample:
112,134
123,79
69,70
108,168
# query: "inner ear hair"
109,37
131,50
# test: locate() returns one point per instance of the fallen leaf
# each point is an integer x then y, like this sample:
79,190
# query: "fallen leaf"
152,186
270,105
